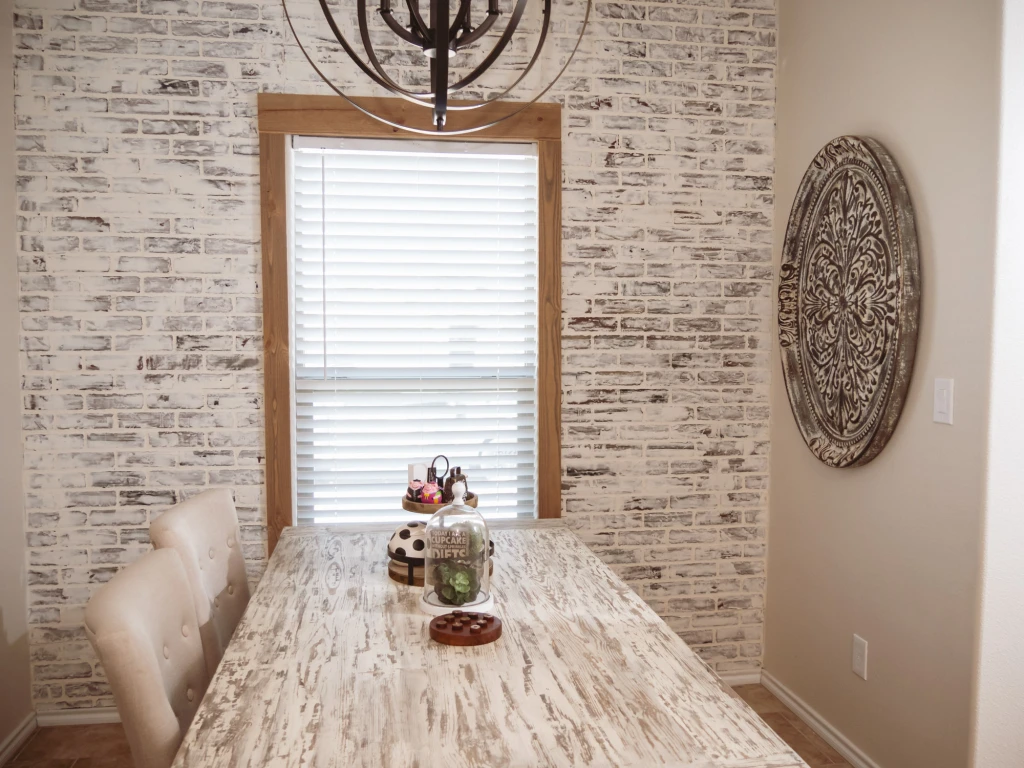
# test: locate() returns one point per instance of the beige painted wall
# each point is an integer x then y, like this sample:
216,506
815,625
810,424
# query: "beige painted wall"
14,669
998,732
891,550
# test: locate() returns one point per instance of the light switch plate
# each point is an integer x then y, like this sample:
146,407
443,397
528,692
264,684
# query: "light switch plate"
860,657
942,410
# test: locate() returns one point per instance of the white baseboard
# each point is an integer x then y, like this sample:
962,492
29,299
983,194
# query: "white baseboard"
732,679
91,716
853,754
11,745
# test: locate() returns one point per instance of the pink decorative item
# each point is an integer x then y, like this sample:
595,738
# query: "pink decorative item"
431,494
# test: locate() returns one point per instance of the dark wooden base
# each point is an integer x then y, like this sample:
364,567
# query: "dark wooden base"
400,572
465,628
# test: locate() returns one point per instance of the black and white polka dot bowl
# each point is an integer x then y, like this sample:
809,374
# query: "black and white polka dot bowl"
409,541
406,550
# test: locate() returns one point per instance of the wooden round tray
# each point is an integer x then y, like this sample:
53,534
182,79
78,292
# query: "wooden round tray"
465,628
428,509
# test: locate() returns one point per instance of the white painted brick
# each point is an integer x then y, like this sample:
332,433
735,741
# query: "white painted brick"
141,331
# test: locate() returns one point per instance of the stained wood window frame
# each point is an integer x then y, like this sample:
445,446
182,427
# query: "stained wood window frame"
281,116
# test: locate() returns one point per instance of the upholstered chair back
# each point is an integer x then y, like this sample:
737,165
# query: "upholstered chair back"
204,532
143,626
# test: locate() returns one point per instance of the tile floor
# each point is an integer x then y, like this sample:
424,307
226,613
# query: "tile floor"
75,746
104,746
791,729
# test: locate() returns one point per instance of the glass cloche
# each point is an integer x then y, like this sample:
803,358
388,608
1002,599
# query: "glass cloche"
456,567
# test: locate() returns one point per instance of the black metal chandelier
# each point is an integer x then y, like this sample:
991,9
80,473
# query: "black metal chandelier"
440,35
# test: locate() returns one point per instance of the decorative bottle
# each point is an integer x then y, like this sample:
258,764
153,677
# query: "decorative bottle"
456,573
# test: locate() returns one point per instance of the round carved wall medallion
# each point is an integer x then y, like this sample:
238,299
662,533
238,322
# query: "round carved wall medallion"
849,294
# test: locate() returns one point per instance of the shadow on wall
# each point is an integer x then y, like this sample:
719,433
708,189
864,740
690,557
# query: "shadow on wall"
12,650
14,655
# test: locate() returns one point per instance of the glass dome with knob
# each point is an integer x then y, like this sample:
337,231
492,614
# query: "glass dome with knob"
456,567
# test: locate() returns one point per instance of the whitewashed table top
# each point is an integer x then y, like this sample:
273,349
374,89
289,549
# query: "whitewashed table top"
333,665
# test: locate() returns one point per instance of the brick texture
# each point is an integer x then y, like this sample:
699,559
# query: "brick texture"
141,314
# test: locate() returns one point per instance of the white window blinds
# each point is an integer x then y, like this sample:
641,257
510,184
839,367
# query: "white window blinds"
414,270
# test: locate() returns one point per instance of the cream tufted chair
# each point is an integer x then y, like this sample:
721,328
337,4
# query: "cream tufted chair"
204,532
143,626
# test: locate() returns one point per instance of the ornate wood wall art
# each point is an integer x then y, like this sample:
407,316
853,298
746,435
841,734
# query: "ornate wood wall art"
849,295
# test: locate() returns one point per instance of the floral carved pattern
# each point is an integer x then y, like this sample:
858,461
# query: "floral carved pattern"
848,301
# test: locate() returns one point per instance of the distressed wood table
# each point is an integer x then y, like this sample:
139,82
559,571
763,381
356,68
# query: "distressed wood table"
332,665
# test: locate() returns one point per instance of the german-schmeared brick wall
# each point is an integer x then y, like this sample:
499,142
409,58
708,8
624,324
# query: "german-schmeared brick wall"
141,316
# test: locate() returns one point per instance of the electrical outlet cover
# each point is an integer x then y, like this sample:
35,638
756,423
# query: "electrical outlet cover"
942,408
860,657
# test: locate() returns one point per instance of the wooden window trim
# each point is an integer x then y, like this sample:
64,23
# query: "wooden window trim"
281,115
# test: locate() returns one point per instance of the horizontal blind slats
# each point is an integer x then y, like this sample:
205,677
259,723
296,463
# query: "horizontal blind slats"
415,321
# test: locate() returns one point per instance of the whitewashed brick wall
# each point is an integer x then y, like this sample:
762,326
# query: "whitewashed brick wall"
141,314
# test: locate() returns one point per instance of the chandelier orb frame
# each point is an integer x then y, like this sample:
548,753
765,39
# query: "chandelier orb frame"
439,36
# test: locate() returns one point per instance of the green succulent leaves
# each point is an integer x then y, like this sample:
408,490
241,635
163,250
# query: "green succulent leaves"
455,583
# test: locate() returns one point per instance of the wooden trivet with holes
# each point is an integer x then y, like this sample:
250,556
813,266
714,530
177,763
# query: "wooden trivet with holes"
465,628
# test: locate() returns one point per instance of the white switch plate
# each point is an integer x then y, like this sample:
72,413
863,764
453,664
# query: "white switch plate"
860,657
942,411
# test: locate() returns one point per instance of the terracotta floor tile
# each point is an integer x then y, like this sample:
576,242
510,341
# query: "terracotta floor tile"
21,761
814,738
73,742
798,742
761,700
104,762
817,752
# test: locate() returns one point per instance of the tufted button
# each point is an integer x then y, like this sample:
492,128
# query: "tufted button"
211,553
167,652
216,602
184,630
231,541
231,589
190,694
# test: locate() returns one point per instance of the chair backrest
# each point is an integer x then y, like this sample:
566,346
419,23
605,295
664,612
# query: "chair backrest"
204,532
143,626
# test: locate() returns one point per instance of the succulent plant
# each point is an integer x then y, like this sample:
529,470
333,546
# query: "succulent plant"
456,583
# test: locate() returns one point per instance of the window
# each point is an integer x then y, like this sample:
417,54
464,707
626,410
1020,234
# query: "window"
411,307
414,321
